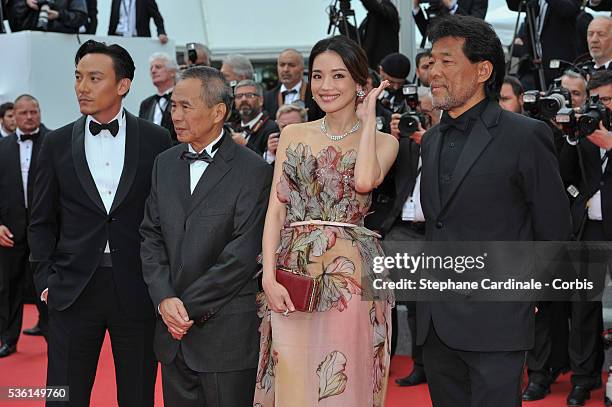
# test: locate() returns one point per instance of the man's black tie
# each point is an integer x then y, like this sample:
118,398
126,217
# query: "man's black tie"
447,122
112,127
288,92
32,137
165,96
191,157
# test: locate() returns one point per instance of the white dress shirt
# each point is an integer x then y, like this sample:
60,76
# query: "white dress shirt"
605,65
25,158
250,125
160,107
4,132
291,97
197,168
105,157
412,210
127,18
594,204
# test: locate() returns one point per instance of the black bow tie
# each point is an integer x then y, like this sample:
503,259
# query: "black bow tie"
203,156
32,137
164,96
112,127
289,92
191,157
447,122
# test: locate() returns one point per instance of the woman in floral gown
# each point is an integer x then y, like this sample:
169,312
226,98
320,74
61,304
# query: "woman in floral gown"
323,178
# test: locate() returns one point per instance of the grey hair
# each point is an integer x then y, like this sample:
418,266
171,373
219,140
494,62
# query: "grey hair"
250,82
170,63
214,90
241,65
28,97
294,51
205,50
292,108
574,75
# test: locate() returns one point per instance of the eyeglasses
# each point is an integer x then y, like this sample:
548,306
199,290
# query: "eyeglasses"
605,99
249,96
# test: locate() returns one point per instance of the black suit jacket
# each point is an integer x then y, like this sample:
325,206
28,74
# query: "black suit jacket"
69,225
587,182
271,102
213,276
506,187
558,37
147,110
13,212
401,179
474,8
145,11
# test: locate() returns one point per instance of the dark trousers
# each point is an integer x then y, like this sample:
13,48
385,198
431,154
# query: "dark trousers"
550,350
471,379
403,232
184,387
586,351
75,340
13,271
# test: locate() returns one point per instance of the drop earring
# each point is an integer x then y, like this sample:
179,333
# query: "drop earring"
361,93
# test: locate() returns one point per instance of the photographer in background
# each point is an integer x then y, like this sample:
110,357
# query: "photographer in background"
585,165
394,68
599,40
511,95
285,115
197,55
474,8
62,16
423,60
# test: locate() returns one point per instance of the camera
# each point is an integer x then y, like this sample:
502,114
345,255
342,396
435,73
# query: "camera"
192,54
579,125
545,107
43,16
411,117
435,8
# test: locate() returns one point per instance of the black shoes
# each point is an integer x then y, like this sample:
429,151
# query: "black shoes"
417,376
34,331
578,396
535,391
6,350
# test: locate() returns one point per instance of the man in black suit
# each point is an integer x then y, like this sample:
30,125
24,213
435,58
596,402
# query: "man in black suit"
131,18
556,28
94,176
599,40
66,16
592,216
156,108
292,87
254,126
204,287
474,8
18,163
487,175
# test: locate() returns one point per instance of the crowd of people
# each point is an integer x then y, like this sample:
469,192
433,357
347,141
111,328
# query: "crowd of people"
150,227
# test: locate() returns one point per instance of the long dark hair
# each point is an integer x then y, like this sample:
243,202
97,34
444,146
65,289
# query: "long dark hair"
351,53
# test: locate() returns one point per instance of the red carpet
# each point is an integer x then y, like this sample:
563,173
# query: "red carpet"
27,367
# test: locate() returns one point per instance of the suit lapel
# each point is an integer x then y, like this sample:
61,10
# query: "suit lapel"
180,173
433,169
477,141
131,160
406,169
16,164
81,166
213,173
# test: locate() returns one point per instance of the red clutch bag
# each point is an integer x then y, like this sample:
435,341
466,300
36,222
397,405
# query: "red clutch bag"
303,289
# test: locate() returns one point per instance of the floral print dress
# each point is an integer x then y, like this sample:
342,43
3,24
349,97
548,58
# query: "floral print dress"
338,355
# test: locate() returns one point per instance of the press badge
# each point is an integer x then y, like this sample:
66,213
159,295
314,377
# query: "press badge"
409,210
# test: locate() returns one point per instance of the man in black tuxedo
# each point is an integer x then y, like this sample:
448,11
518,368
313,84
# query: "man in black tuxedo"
556,27
474,8
487,175
254,126
18,163
292,87
599,40
592,216
205,286
131,18
94,176
156,108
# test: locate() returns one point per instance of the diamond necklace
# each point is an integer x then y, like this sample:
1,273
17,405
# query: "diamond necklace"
340,136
